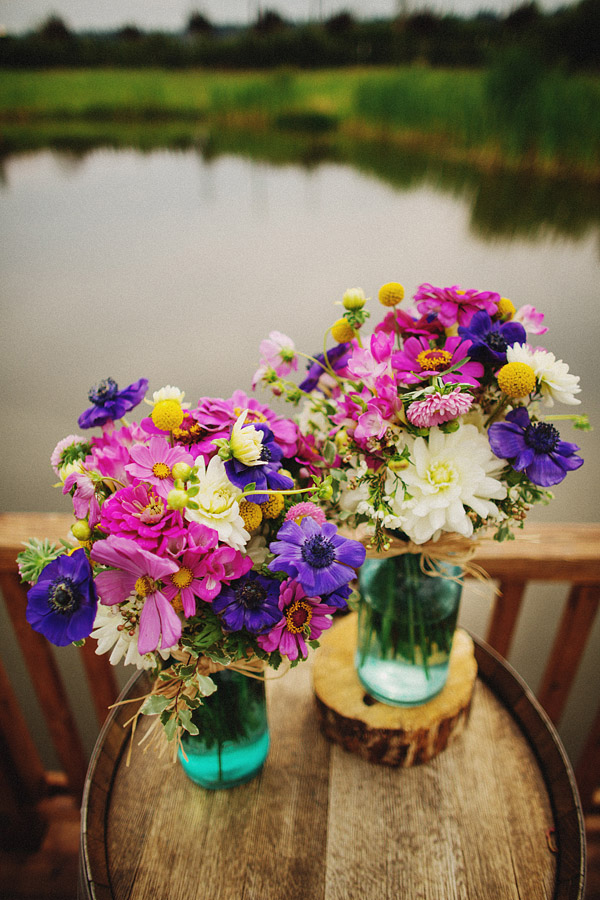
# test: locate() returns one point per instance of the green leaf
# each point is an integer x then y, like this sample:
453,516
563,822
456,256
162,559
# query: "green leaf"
206,685
155,704
170,728
185,720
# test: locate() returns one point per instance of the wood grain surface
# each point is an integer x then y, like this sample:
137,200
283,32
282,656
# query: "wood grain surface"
322,823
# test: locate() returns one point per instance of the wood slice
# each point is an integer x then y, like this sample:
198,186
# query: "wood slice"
390,735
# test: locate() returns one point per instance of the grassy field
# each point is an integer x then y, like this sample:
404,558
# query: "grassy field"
515,115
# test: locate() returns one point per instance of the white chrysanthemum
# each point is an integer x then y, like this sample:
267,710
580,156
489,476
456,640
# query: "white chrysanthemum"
553,376
114,630
169,393
246,442
353,494
218,505
450,474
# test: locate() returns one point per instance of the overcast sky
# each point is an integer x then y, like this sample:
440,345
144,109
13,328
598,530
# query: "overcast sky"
172,15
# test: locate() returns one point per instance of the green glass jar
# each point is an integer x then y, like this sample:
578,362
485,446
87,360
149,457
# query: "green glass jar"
406,623
233,733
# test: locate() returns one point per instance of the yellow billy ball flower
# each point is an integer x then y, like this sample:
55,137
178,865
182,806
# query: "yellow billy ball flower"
273,507
251,513
342,331
391,294
516,379
167,414
506,309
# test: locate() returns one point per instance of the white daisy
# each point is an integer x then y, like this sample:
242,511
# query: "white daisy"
450,474
556,383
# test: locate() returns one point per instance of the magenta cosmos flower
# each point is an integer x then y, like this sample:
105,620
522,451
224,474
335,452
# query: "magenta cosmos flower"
419,361
452,305
303,618
136,571
154,464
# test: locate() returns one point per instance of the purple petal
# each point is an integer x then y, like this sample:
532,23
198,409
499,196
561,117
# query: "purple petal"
545,471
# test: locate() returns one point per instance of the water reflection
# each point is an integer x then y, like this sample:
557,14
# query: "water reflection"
503,204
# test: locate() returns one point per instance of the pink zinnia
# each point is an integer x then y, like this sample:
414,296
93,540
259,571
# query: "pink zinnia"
437,408
154,464
140,572
452,305
140,514
302,618
530,319
419,361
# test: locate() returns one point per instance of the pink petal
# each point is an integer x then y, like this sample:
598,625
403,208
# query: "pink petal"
114,586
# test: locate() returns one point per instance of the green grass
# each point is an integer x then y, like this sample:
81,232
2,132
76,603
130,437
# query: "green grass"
517,115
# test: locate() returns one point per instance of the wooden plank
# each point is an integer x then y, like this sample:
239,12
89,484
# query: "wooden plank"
545,551
47,683
587,771
507,607
569,643
27,775
101,680
16,528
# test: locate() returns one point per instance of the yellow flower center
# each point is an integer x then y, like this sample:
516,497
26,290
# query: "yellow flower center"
441,474
298,616
434,360
145,586
183,578
516,379
342,331
161,470
391,294
273,507
187,435
506,308
167,414
251,513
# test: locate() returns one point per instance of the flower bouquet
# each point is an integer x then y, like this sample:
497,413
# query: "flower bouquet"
191,556
431,431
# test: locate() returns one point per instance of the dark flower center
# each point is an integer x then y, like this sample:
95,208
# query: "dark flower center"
265,453
251,595
103,392
63,596
496,342
318,551
542,437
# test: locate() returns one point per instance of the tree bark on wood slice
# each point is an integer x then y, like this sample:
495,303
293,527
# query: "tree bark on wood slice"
390,735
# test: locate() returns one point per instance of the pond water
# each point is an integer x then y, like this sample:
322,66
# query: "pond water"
175,264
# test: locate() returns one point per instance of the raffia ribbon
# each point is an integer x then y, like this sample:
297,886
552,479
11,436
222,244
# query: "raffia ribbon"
451,549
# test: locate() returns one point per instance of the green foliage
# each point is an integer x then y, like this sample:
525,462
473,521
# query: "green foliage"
35,558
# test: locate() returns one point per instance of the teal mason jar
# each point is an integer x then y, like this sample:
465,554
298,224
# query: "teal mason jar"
406,623
233,734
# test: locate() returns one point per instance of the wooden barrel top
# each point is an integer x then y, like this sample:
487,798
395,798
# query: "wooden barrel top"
496,815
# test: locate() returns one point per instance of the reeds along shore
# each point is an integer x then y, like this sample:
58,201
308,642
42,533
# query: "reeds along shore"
517,113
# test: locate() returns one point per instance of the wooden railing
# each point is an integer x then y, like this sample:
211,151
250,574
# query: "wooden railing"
545,552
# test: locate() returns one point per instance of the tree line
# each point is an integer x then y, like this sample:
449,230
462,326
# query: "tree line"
567,37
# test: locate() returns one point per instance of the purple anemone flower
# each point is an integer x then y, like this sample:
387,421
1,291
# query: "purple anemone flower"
62,605
316,556
337,358
109,403
490,340
251,602
534,448
266,474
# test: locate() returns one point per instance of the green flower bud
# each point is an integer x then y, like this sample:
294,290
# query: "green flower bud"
81,530
181,471
354,298
177,499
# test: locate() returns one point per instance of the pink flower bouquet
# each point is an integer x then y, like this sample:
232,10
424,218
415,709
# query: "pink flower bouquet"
193,546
